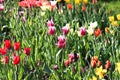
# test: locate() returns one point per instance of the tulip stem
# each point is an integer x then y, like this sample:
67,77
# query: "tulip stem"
16,76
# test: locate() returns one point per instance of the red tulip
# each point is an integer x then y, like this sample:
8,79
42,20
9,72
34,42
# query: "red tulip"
97,32
3,51
69,6
5,59
16,60
16,45
7,44
27,51
66,63
93,63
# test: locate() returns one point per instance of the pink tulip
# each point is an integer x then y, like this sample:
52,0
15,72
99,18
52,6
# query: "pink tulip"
94,1
51,30
65,30
61,41
82,31
55,67
50,23
1,7
1,1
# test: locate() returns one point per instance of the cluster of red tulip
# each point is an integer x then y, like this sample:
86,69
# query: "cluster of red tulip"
71,58
35,3
15,57
95,61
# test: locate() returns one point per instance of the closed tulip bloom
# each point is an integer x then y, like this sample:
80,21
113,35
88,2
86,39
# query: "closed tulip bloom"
67,1
1,7
27,51
61,45
5,60
3,51
82,31
66,63
94,1
85,1
118,17
61,41
111,18
115,23
69,6
55,67
51,30
1,1
16,45
16,60
7,44
97,32
50,23
77,2
93,63
65,30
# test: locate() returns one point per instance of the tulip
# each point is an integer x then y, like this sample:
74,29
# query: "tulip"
55,67
16,60
1,7
7,44
94,1
3,51
69,6
65,29
51,30
66,63
1,1
5,59
50,23
97,32
27,51
82,31
93,63
16,45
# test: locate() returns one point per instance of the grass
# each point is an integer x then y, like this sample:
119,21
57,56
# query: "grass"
113,7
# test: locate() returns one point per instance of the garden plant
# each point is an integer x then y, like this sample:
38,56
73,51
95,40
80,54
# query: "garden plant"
58,40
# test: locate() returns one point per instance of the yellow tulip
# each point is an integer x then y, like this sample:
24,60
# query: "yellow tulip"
111,18
107,29
85,1
115,23
93,78
118,67
118,17
67,1
77,2
58,0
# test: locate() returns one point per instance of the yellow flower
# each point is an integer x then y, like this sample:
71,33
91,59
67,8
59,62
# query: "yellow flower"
42,13
112,32
58,0
107,29
118,67
115,23
85,1
77,2
111,18
118,17
93,78
100,72
67,1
